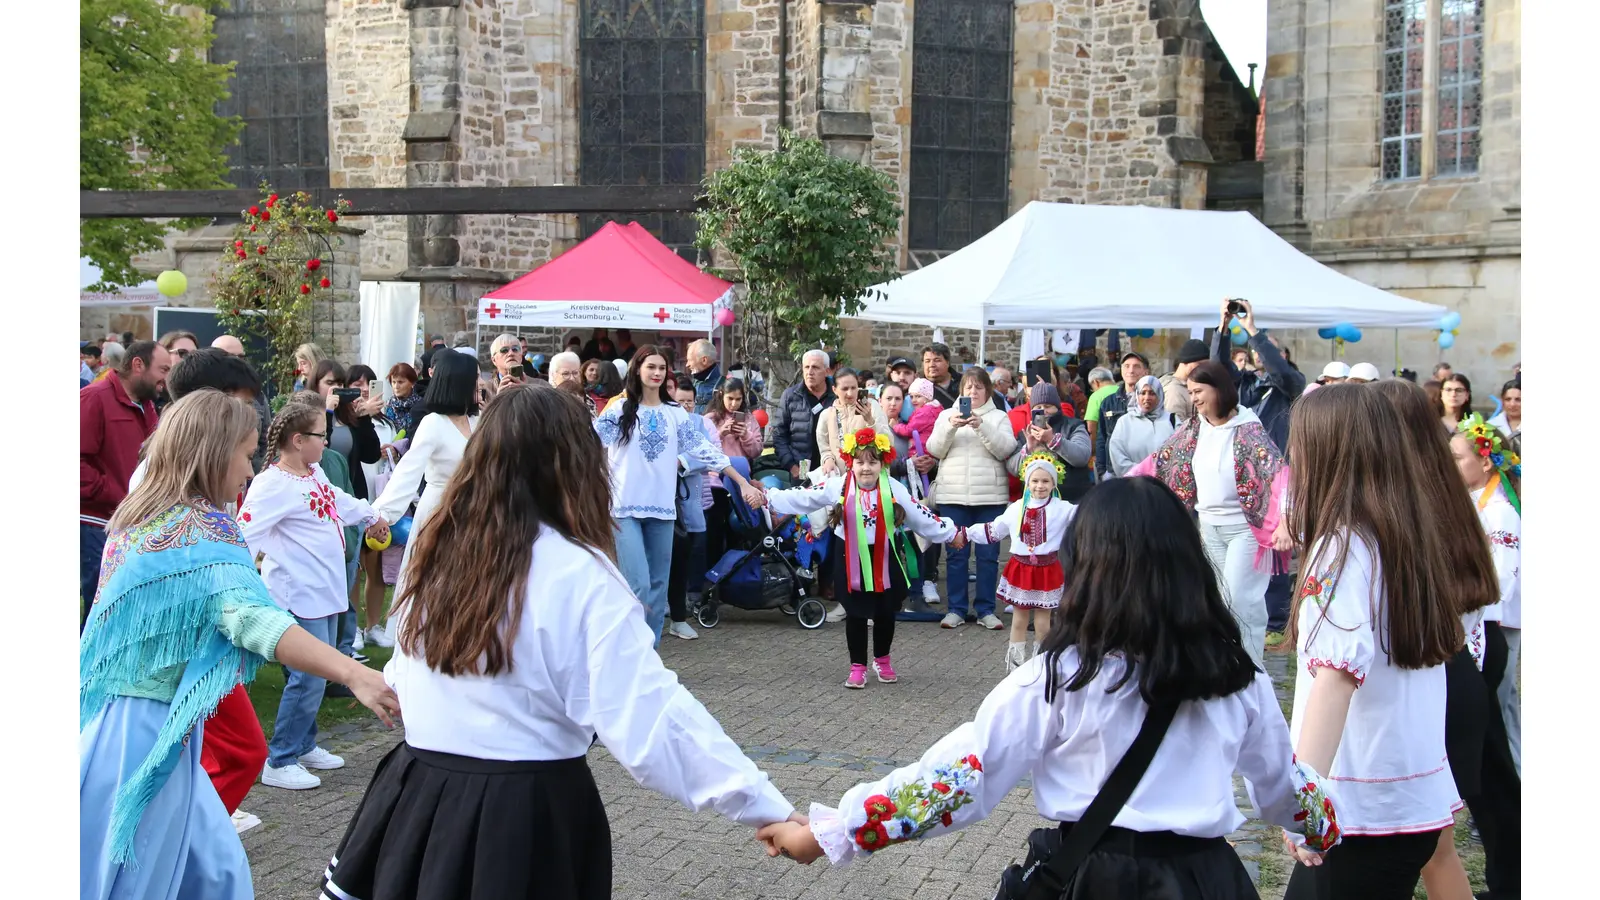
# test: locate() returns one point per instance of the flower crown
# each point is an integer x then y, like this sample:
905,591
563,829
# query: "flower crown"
868,439
1487,441
1044,456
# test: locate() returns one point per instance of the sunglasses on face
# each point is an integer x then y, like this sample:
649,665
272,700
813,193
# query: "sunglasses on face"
512,350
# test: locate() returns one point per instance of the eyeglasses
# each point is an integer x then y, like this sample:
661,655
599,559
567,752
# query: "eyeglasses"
512,350
319,435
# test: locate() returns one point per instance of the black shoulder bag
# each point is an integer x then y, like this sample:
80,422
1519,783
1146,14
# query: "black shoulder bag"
1052,861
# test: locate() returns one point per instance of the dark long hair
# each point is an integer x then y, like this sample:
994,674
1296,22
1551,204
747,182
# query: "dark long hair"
1448,513
1466,408
453,389
345,413
533,463
1139,586
633,389
1349,484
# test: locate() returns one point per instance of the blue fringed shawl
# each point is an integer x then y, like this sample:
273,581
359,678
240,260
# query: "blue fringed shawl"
163,586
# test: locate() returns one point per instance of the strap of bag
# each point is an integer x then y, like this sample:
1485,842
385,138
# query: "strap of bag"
1114,794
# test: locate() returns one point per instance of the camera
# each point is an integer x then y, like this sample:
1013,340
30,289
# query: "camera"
1236,308
347,395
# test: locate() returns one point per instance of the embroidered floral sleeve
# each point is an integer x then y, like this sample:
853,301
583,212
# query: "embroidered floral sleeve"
1336,611
1318,818
607,427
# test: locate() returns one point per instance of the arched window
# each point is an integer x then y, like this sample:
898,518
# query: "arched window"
1460,86
643,102
960,122
1448,70
279,88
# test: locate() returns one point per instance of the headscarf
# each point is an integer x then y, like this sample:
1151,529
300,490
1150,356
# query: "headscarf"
1154,383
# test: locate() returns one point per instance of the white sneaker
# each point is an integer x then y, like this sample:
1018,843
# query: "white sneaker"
243,821
683,630
951,620
930,593
837,613
360,642
378,636
319,758
991,622
293,777
1010,609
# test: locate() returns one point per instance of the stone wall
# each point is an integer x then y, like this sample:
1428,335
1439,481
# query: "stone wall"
742,61
1228,125
369,84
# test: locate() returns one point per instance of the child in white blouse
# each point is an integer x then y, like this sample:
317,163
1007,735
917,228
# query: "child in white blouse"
869,576
1033,577
297,519
1143,624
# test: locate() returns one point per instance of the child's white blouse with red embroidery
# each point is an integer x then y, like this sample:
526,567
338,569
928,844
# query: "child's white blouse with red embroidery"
298,522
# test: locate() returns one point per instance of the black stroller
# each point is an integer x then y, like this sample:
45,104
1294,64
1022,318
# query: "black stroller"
760,570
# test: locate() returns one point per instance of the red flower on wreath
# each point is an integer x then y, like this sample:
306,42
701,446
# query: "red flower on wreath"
878,806
872,836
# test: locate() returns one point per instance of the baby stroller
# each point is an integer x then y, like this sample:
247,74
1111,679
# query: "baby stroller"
759,571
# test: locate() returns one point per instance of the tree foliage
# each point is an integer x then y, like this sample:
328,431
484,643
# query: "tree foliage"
807,233
281,262
147,101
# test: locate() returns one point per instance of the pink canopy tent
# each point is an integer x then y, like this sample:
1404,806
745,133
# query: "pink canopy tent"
620,277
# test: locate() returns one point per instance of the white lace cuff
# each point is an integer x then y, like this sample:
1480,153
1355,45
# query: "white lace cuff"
833,834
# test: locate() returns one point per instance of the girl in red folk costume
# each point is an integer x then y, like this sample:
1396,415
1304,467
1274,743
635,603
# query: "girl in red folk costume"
870,579
1130,723
1033,578
294,516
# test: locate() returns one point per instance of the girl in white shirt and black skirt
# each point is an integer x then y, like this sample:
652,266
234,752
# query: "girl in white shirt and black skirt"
508,667
1142,631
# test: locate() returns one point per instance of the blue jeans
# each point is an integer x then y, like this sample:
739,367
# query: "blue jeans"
644,554
345,635
294,732
91,546
955,567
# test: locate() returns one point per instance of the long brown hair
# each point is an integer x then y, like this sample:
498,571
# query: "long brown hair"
1350,485
1448,508
633,389
534,462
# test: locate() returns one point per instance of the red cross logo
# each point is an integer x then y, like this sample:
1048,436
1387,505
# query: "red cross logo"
662,315
492,310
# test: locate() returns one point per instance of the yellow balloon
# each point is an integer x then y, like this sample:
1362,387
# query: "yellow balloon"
374,545
172,283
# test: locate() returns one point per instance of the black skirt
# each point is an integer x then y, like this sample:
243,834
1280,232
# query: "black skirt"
859,603
1466,721
435,826
1126,865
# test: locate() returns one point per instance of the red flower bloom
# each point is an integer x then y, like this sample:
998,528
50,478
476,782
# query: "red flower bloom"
941,787
255,210
872,836
244,517
1313,587
1327,806
333,216
261,249
973,762
305,288
324,282
238,244
1300,816
945,819
878,806
272,199
313,264
240,254
1483,451
252,228
265,215
1310,787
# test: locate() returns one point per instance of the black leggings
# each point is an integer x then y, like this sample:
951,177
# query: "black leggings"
1386,867
1497,805
855,629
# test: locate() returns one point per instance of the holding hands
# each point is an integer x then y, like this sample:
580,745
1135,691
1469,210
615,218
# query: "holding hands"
791,838
378,531
960,540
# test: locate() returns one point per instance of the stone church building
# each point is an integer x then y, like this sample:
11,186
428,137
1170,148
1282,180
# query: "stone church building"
972,107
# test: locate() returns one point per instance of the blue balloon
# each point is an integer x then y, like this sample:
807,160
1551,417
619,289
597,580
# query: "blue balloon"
1446,340
1327,334
1063,361
1239,337
1147,333
400,532
1450,321
537,361
1348,333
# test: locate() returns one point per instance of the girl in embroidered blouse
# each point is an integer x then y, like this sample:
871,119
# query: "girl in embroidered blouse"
1141,623
1033,578
869,576
1376,617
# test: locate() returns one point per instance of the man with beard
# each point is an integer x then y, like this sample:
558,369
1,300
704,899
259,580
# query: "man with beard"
115,416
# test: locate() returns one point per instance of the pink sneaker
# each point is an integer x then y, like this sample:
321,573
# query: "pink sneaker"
858,677
885,670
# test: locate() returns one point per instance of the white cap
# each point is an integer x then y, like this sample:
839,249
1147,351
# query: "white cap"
1336,369
1365,372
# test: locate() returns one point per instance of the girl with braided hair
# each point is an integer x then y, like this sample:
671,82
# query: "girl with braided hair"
867,507
1033,576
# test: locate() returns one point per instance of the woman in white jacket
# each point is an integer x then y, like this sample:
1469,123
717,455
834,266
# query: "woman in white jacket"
1144,429
971,489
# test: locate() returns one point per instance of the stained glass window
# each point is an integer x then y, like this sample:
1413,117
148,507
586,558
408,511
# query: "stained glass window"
1460,86
960,121
279,88
1404,23
643,103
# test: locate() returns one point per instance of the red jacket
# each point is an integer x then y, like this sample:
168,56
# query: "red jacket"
111,429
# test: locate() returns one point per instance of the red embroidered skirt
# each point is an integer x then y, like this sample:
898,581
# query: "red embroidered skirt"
1031,582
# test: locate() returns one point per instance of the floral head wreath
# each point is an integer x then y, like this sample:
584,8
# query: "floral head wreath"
868,439
1044,456
1486,440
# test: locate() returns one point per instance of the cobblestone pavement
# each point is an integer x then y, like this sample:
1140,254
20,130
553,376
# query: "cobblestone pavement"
777,691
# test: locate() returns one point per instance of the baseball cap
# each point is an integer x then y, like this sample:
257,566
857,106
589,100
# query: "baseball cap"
1193,351
900,362
1134,354
1336,369
1365,371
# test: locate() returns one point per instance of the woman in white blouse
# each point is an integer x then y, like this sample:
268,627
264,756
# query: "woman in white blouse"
646,437
1138,586
509,666
450,414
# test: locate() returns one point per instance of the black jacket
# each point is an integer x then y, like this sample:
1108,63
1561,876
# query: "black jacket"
1269,393
794,431
1112,408
367,449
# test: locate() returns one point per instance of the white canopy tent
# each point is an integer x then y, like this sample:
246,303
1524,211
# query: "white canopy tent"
1070,266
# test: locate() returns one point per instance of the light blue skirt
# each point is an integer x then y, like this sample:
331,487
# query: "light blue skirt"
186,847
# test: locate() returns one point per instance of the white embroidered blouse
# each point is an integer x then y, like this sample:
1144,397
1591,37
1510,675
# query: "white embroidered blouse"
644,471
298,522
1057,514
802,501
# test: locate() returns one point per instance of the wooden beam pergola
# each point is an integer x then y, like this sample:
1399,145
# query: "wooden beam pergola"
540,200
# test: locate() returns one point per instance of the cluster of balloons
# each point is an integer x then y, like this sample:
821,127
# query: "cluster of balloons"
1449,327
399,533
1345,333
1141,332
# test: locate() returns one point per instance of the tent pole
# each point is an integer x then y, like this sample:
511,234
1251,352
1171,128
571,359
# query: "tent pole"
983,335
1397,353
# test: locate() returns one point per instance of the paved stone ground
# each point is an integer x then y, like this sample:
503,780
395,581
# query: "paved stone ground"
777,690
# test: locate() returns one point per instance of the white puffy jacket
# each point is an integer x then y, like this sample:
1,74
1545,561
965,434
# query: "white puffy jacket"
972,468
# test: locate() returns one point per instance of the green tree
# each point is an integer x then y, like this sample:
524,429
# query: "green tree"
147,101
807,233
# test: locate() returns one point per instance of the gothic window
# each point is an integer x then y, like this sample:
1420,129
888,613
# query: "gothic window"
1460,86
279,88
960,122
1404,23
643,103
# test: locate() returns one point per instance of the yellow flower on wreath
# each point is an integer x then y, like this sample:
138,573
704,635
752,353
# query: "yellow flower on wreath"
865,437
